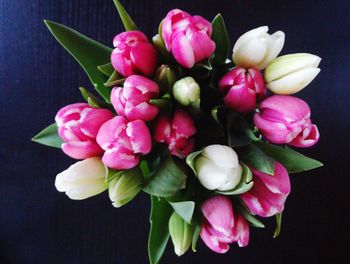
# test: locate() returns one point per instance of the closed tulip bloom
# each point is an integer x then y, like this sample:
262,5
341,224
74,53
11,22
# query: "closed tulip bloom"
181,234
83,179
133,54
242,88
218,168
132,101
269,192
284,119
256,48
177,132
187,91
187,37
220,226
291,73
78,125
123,141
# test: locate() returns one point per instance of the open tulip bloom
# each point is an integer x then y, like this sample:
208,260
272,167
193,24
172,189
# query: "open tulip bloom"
209,134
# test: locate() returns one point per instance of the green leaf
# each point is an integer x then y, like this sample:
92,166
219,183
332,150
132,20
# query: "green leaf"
216,113
251,219
221,39
196,232
237,131
159,232
88,52
168,178
291,159
191,158
49,137
184,209
160,102
107,69
253,156
113,80
244,185
125,17
92,100
278,223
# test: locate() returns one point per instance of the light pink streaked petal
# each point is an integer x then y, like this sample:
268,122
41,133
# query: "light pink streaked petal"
212,242
202,46
70,112
202,24
91,120
306,139
143,111
259,83
183,51
110,131
183,124
140,137
118,100
121,64
241,231
229,78
145,58
120,158
81,149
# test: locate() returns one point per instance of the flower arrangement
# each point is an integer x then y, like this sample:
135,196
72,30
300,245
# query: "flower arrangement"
206,136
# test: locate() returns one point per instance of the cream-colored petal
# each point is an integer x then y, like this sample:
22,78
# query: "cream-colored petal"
275,45
249,35
251,53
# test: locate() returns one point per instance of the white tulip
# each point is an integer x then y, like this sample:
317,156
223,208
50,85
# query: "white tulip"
218,168
256,48
291,73
186,91
83,179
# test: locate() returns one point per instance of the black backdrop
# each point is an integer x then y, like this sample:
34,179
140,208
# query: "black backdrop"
37,77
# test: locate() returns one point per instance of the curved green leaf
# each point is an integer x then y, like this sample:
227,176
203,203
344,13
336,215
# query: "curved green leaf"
278,225
107,69
191,158
221,39
125,17
88,52
184,209
49,137
159,232
251,219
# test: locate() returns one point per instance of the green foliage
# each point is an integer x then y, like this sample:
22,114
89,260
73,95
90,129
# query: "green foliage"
49,137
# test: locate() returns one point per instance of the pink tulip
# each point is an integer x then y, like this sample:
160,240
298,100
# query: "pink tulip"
78,125
176,132
221,227
123,142
242,88
187,37
284,119
132,101
269,192
133,54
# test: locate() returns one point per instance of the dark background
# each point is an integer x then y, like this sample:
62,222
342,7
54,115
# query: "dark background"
37,77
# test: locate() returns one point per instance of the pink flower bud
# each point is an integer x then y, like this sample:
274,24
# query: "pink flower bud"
123,142
221,227
242,88
176,132
284,119
78,125
269,192
132,101
187,37
133,54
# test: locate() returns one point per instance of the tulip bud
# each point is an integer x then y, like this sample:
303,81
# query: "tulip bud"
256,48
165,77
83,179
125,186
217,168
186,91
181,234
291,73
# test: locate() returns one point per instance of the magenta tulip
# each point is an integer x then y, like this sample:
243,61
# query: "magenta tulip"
78,125
269,192
187,37
132,101
284,119
123,142
242,88
221,227
133,54
176,132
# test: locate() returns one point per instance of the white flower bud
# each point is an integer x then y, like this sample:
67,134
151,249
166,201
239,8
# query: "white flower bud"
256,48
83,179
218,168
291,73
186,91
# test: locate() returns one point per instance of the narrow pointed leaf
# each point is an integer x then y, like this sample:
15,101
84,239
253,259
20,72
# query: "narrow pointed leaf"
159,232
49,137
113,79
191,158
221,39
125,17
278,223
107,69
88,52
184,209
196,232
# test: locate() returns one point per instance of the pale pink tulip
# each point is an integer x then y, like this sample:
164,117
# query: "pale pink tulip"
269,192
123,142
187,37
176,132
242,88
284,119
132,101
78,125
133,54
221,227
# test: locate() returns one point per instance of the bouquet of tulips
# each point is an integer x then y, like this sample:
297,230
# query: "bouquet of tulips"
204,135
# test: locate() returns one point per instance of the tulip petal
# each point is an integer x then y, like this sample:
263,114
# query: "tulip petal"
212,242
92,119
140,137
145,58
241,231
110,131
183,51
203,47
120,158
251,53
307,138
240,98
251,34
275,45
183,124
81,149
223,156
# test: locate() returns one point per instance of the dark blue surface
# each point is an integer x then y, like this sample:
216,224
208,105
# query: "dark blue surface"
37,77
